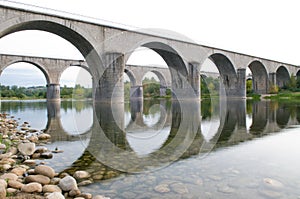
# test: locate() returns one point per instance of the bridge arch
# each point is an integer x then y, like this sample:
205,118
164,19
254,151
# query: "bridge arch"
259,77
298,74
131,76
38,65
64,28
174,60
282,76
227,72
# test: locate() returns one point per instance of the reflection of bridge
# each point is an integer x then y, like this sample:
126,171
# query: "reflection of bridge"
106,50
109,148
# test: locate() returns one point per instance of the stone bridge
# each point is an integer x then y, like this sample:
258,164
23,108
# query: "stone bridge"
107,48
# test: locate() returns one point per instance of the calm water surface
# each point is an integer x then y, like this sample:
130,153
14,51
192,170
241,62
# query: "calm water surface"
163,149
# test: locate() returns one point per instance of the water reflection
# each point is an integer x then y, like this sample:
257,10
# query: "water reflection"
110,141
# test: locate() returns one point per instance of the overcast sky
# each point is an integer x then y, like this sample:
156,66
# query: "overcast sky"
264,28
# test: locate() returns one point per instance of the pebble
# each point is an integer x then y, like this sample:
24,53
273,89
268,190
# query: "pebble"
3,183
32,187
226,189
162,188
273,183
44,136
26,148
45,170
15,184
2,191
55,195
67,183
19,171
37,178
81,175
100,197
9,176
51,188
84,183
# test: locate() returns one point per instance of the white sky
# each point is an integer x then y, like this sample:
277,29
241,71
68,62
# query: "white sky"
264,28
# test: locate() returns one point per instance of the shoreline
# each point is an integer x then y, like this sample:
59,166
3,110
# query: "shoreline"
21,177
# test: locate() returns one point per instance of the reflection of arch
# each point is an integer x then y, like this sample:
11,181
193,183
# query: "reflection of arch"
259,117
137,121
259,77
282,76
283,115
38,65
55,127
227,73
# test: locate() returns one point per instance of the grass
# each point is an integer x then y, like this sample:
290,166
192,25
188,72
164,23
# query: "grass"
285,95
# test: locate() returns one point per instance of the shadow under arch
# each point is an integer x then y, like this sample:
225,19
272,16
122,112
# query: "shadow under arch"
227,72
259,77
37,65
282,76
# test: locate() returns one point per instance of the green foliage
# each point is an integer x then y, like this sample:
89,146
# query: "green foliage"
249,87
209,87
274,89
40,92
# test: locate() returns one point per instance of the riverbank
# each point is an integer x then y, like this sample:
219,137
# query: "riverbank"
24,172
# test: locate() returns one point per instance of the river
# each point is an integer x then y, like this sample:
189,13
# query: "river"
169,149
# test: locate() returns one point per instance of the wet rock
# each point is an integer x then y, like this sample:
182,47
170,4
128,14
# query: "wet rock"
272,183
36,156
45,170
81,175
51,188
33,138
86,195
55,195
162,188
270,193
32,187
2,191
15,184
30,162
9,176
37,178
100,197
68,183
226,189
26,148
84,183
41,150
55,181
19,171
74,192
44,136
47,155
179,188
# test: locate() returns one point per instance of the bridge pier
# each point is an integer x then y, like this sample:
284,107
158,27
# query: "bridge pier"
136,92
272,81
234,85
53,92
110,86
194,78
162,90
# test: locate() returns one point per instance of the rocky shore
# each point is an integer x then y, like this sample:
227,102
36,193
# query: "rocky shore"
21,177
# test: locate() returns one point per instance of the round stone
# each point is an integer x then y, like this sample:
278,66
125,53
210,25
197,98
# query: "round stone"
32,187
45,170
26,148
68,183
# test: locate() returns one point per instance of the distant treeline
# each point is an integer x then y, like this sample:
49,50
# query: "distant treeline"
40,92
